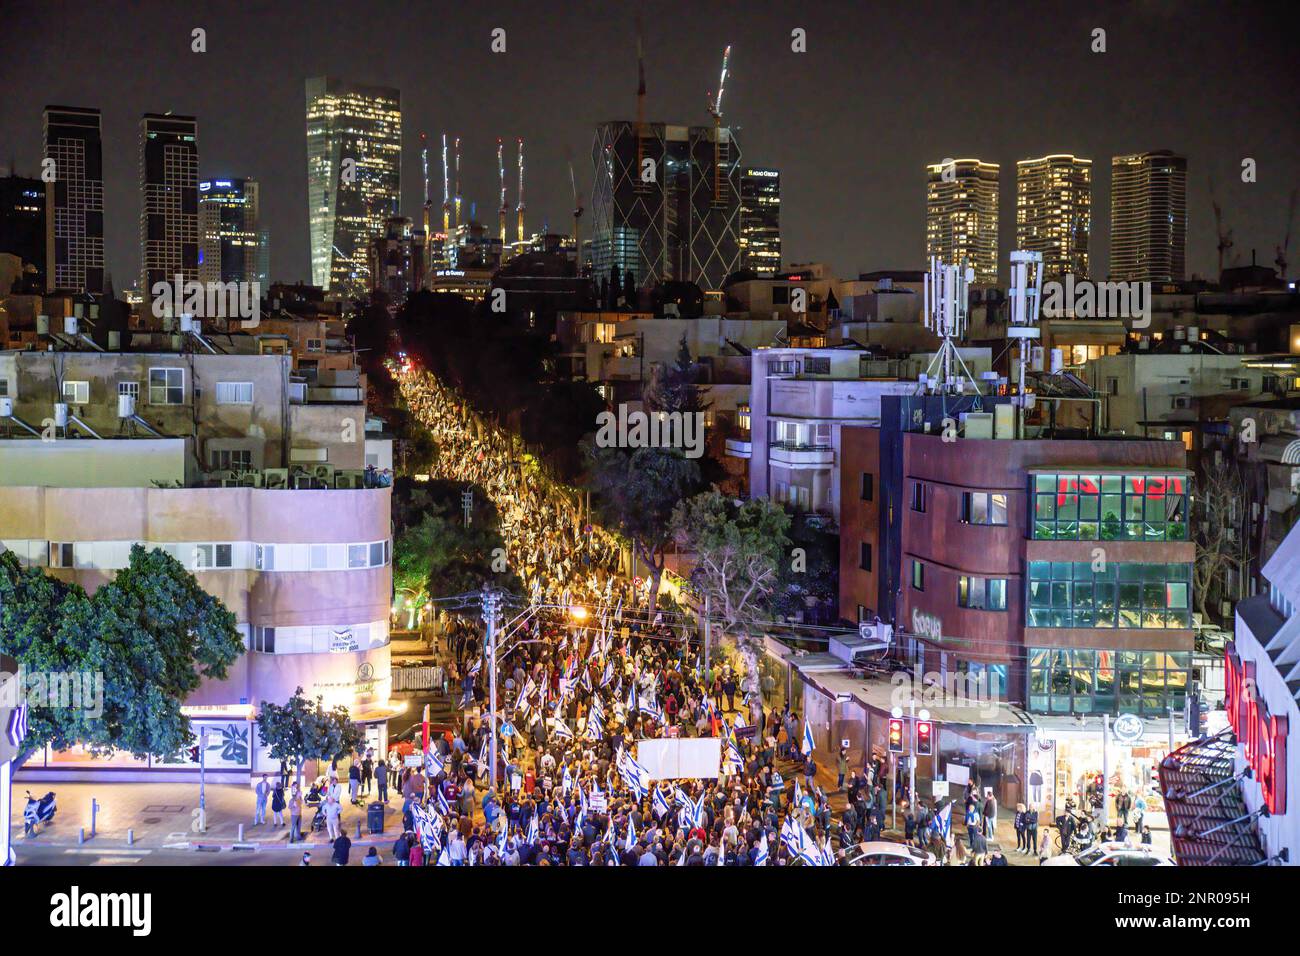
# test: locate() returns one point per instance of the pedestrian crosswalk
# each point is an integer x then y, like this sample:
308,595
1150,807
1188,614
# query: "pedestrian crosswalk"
106,856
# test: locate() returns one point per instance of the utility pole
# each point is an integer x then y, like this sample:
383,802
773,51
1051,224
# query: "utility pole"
491,603
706,632
1105,769
203,805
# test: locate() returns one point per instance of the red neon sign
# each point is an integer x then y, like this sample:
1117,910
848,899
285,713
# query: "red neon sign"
1153,486
1262,734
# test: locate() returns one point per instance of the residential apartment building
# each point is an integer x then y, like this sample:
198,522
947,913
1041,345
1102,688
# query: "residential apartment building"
75,233
1148,217
1054,212
169,200
961,216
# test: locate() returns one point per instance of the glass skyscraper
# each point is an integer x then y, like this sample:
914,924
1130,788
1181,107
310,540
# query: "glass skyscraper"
961,216
232,247
75,246
354,166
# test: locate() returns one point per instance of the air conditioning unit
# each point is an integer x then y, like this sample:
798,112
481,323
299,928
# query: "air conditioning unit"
231,483
222,475
349,478
302,481
275,478
1182,401
323,473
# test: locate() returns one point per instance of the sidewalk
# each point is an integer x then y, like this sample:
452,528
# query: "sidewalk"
165,815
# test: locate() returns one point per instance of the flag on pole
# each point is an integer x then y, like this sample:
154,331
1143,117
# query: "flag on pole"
943,820
432,763
532,834
631,835
659,803
567,780
440,801
807,747
761,858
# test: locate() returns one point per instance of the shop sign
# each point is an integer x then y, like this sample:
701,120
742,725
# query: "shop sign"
1127,728
927,625
1262,734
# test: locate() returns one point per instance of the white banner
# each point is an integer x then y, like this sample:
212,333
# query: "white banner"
693,757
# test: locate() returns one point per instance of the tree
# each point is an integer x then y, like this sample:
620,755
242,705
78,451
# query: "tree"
816,572
739,549
673,388
152,633
301,730
635,492
1219,535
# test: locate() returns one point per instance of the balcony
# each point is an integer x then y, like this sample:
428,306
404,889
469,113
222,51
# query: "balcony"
739,447
800,455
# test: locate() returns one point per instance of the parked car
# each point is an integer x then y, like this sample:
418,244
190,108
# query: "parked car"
1112,854
883,853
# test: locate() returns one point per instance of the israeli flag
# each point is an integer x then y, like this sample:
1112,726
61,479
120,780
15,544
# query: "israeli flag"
943,820
561,728
567,780
444,858
441,801
501,839
585,681
609,832
432,762
722,853
807,746
474,668
595,721
631,699
761,858
697,812
484,758
798,793
659,803
682,800
631,835
828,858
608,675
532,834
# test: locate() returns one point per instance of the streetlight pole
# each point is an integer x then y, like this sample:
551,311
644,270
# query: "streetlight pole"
491,603
706,634
203,804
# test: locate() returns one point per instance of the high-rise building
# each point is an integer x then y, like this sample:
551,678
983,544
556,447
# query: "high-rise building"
22,226
1148,217
666,203
74,245
232,246
354,166
760,220
961,216
169,199
1054,211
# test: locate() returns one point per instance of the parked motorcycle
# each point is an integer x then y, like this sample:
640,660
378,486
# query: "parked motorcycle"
38,812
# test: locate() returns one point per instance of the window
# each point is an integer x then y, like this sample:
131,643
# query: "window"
780,295
864,556
212,556
76,393
231,459
982,507
918,496
742,417
264,557
918,576
358,556
816,366
264,639
868,486
61,554
4,387
129,388
1083,681
166,386
314,345
234,393
982,594
1122,595
1109,507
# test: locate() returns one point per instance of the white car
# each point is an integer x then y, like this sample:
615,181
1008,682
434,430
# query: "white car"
1112,854
883,853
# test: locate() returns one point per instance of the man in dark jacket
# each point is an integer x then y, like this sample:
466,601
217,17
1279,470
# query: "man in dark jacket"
341,848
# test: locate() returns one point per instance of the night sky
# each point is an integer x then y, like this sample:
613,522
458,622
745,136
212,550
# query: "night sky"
884,89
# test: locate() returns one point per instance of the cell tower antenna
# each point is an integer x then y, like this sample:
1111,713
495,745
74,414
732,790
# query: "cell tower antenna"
1025,295
457,182
519,209
945,305
503,208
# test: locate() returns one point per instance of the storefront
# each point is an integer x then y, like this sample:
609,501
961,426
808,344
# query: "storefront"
1066,763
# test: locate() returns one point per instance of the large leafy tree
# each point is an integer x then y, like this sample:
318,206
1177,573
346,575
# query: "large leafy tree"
634,493
152,633
300,730
740,548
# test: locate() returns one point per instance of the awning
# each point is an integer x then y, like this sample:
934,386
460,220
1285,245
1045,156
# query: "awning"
1208,821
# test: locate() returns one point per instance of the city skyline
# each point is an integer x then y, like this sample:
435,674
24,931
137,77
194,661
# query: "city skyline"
853,188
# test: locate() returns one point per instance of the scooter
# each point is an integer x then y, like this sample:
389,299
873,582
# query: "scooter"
38,812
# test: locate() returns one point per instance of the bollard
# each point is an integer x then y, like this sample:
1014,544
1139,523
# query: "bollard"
358,829
94,812
130,837
241,833
81,835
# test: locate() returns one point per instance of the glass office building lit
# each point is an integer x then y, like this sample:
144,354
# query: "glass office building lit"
232,247
1054,212
354,165
961,216
760,220
1148,217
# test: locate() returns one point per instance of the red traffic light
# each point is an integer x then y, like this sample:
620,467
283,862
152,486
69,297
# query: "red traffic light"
895,735
924,738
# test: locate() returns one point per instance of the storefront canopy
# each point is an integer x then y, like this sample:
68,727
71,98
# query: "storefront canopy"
1208,820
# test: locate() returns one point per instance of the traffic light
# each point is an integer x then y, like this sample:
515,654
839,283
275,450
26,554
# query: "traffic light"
194,754
924,738
896,735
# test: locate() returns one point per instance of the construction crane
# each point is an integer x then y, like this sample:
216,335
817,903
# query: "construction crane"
503,208
577,210
1225,238
519,209
457,182
1280,261
640,106
446,191
715,110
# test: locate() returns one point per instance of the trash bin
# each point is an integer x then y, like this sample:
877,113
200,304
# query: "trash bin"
375,817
